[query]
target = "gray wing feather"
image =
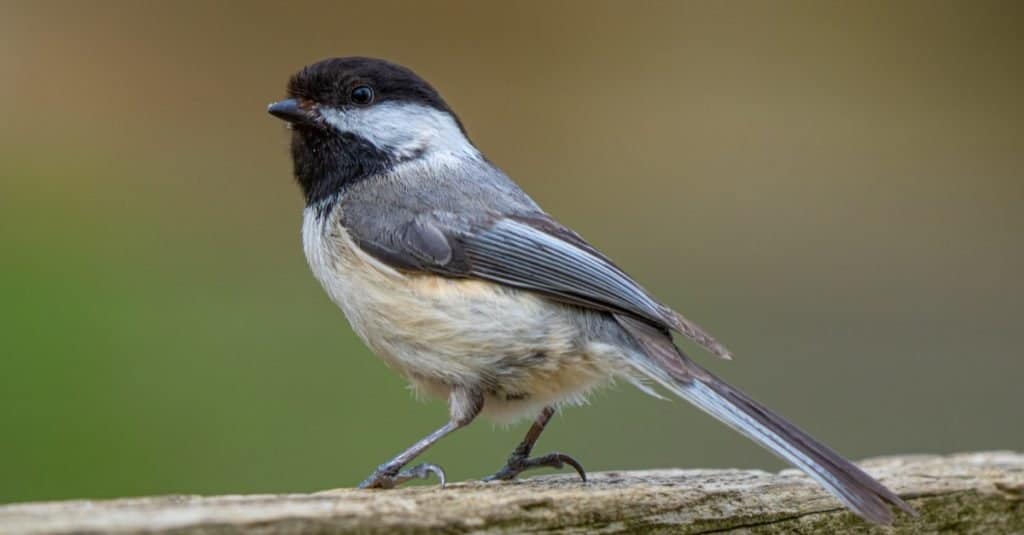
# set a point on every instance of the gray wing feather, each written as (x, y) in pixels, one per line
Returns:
(533, 253)
(523, 256)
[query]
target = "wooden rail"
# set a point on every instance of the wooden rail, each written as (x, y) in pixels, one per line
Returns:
(963, 493)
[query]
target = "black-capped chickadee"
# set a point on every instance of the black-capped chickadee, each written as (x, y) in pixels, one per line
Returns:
(458, 280)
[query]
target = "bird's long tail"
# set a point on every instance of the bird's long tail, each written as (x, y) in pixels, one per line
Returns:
(673, 370)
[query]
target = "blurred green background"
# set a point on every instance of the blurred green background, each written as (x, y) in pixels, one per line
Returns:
(835, 189)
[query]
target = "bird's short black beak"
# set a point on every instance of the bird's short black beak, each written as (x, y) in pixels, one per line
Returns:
(290, 110)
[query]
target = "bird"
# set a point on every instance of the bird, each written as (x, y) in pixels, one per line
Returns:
(449, 272)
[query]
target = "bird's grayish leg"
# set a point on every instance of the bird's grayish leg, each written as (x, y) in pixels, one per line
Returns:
(463, 406)
(520, 460)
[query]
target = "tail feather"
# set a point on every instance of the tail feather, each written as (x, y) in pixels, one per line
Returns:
(673, 370)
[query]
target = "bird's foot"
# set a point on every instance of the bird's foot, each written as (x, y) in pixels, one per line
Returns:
(387, 477)
(519, 463)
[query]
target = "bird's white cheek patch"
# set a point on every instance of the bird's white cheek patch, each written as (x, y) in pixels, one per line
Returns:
(405, 130)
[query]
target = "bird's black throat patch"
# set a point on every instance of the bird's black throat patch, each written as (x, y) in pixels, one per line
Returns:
(327, 162)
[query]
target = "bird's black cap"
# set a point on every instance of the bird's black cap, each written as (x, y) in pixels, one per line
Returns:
(330, 82)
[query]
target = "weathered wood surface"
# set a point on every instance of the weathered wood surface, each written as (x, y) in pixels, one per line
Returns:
(964, 493)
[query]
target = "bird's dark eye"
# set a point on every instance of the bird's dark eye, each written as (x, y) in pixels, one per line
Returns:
(362, 95)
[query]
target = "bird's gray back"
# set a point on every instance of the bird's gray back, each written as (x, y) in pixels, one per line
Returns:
(469, 190)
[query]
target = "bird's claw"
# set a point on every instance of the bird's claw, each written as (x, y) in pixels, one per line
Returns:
(518, 464)
(388, 477)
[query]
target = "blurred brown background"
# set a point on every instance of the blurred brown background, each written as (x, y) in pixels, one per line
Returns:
(833, 188)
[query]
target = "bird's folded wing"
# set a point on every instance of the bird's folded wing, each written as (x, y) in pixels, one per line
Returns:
(532, 253)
